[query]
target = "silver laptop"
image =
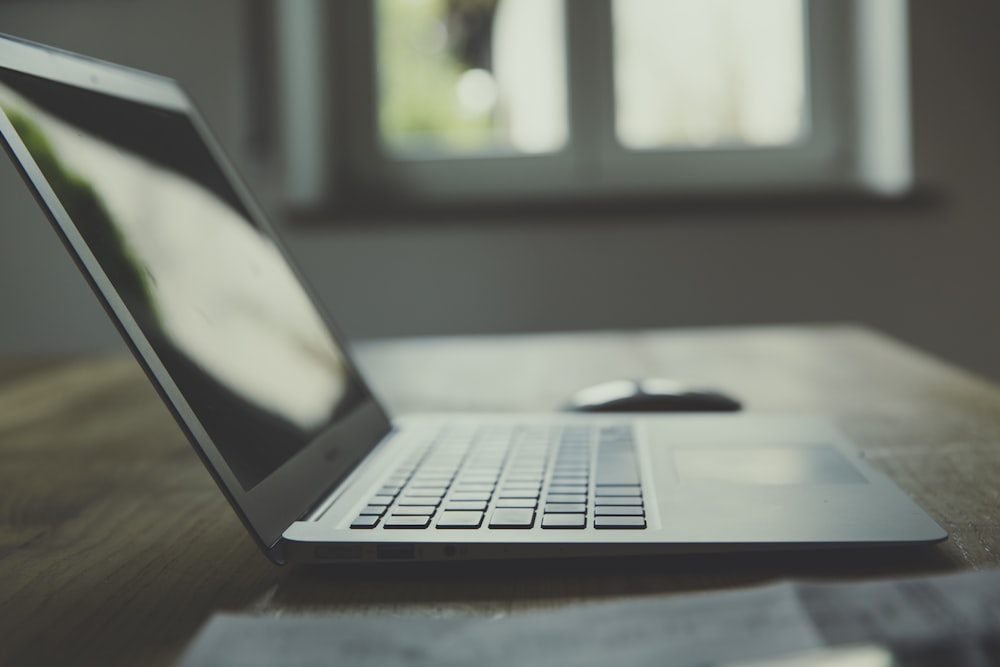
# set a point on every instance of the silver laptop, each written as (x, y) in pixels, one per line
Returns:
(205, 296)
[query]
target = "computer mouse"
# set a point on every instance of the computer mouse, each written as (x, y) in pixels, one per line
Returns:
(650, 395)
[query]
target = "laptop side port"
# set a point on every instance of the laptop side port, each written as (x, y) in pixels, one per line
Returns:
(395, 552)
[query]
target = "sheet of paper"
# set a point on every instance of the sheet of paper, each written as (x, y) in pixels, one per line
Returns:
(956, 617)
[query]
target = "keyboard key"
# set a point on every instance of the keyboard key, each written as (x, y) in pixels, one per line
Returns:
(510, 485)
(471, 495)
(459, 519)
(365, 521)
(411, 510)
(437, 469)
(565, 508)
(616, 473)
(531, 478)
(478, 478)
(425, 501)
(473, 486)
(374, 510)
(619, 510)
(566, 498)
(619, 522)
(427, 492)
(568, 488)
(616, 461)
(396, 521)
(564, 521)
(381, 499)
(423, 479)
(604, 501)
(426, 484)
(466, 506)
(563, 471)
(518, 493)
(517, 502)
(631, 490)
(510, 517)
(569, 479)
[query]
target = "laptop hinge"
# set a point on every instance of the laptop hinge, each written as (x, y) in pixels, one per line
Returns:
(276, 553)
(338, 488)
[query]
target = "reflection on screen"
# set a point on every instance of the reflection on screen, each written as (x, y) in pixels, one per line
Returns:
(210, 291)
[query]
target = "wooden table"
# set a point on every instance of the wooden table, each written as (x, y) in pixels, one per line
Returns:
(115, 545)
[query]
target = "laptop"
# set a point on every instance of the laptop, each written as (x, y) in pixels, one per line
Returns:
(267, 393)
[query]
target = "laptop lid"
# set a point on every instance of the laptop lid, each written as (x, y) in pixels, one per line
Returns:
(194, 278)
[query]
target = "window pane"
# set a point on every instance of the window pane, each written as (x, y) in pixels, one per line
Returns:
(704, 73)
(460, 77)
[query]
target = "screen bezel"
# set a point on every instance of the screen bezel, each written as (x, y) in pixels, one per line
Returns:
(288, 492)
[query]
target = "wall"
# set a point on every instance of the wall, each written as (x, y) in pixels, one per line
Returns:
(44, 305)
(924, 271)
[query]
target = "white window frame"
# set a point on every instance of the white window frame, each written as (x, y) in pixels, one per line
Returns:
(858, 138)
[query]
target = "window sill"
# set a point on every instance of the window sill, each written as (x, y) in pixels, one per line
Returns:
(389, 213)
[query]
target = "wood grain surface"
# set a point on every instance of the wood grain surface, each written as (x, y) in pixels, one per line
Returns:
(115, 545)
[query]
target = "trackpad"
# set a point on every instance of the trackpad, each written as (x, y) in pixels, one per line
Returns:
(768, 465)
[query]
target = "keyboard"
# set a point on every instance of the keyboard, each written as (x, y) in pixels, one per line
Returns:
(513, 478)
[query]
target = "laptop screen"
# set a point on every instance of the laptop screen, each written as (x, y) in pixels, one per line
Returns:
(207, 286)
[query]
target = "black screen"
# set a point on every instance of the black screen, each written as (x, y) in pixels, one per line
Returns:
(207, 286)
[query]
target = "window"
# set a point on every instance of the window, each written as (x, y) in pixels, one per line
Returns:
(748, 87)
(444, 101)
(476, 78)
